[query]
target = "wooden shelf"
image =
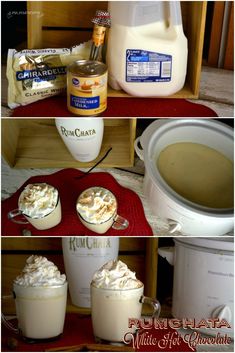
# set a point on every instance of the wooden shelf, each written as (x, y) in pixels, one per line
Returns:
(36, 143)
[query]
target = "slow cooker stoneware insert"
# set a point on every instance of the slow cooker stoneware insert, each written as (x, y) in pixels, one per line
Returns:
(181, 214)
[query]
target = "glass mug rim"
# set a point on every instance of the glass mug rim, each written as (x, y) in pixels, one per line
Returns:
(114, 214)
(119, 289)
(41, 287)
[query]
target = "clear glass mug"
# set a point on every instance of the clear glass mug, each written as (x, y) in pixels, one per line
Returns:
(40, 311)
(111, 310)
(115, 221)
(48, 221)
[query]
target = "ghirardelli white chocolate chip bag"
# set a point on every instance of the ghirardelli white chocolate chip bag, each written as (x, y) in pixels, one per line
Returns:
(35, 74)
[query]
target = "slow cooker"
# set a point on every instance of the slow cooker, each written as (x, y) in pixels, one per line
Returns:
(203, 284)
(181, 214)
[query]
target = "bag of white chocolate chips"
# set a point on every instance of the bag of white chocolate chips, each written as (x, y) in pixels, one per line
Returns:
(35, 74)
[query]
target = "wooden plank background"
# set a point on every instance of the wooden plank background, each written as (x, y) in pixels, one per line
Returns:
(216, 31)
(28, 143)
(229, 53)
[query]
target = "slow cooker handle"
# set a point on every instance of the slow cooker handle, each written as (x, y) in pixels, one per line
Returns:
(173, 225)
(139, 151)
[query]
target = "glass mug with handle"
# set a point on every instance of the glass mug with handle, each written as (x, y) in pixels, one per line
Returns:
(40, 311)
(38, 204)
(112, 309)
(40, 295)
(97, 210)
(117, 296)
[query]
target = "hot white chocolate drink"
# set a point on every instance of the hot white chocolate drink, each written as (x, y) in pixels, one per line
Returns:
(38, 200)
(115, 297)
(40, 204)
(97, 209)
(40, 296)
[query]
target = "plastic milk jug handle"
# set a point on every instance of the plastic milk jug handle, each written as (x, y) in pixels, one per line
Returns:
(175, 13)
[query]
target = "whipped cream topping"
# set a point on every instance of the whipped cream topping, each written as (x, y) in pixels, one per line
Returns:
(38, 200)
(38, 272)
(115, 275)
(96, 205)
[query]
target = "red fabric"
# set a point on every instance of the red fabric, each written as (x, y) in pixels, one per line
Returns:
(78, 330)
(120, 107)
(129, 205)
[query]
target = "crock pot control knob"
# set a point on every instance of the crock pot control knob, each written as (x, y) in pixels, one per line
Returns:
(222, 312)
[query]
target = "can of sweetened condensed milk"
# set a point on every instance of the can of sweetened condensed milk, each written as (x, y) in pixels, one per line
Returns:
(87, 87)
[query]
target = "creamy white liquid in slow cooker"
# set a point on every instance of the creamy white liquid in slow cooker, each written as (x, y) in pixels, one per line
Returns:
(198, 173)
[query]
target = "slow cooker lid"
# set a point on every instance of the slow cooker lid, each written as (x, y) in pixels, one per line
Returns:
(219, 243)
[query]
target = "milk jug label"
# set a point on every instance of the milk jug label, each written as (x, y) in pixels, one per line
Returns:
(147, 66)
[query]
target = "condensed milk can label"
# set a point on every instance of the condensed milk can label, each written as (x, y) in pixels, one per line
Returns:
(87, 88)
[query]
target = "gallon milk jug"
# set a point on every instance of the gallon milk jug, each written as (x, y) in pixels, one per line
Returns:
(147, 49)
